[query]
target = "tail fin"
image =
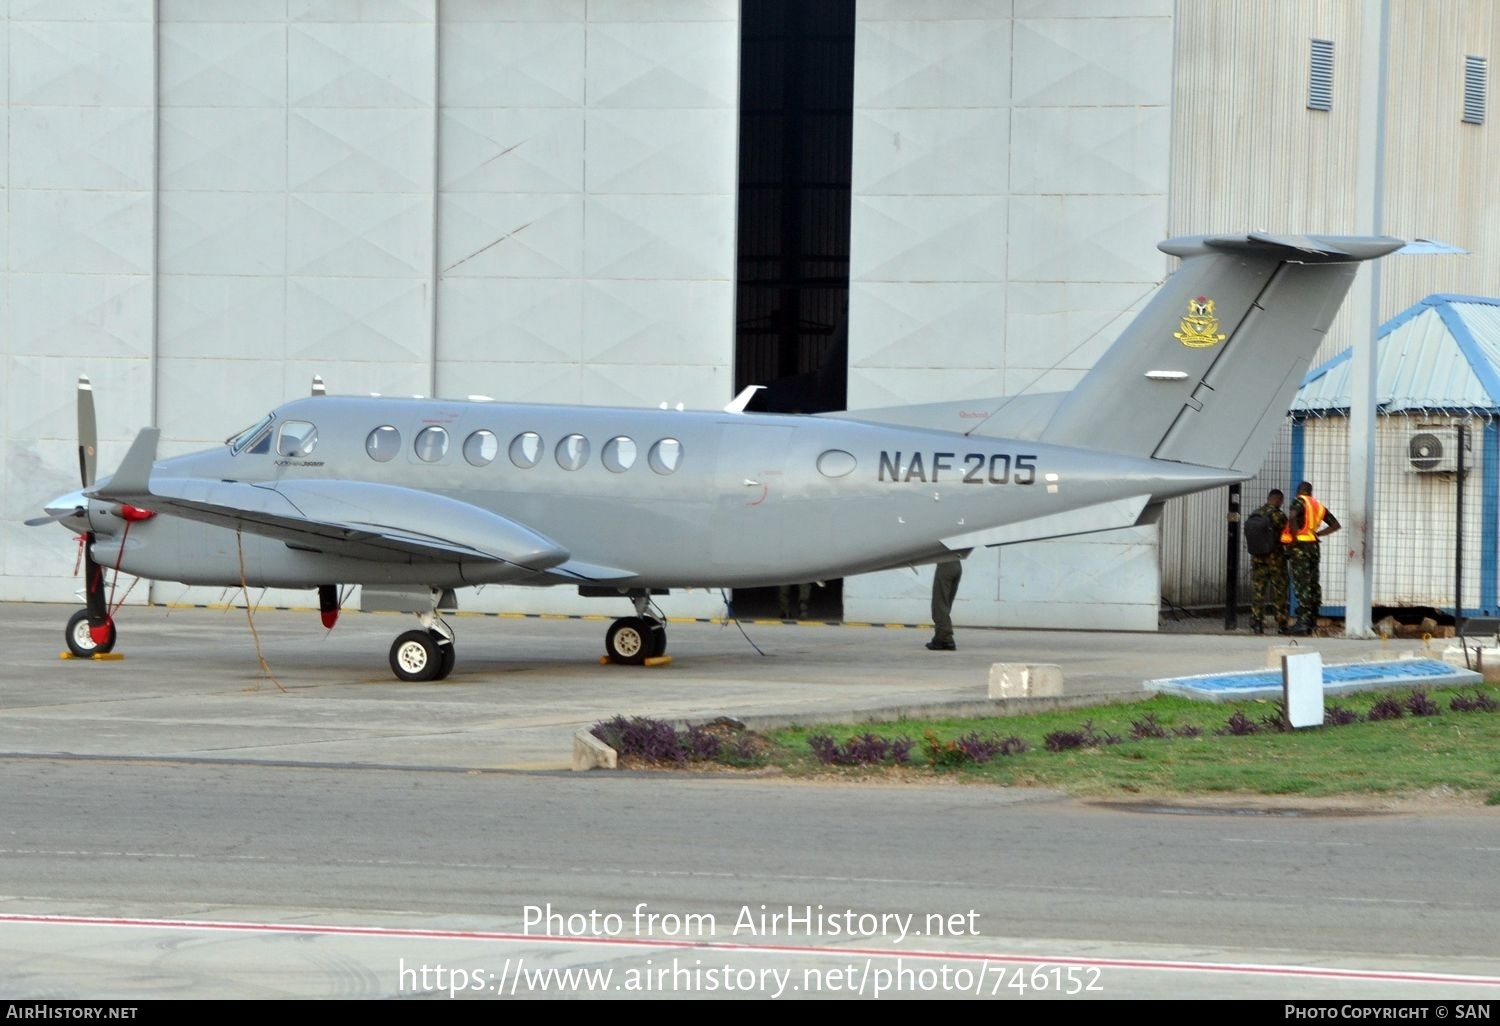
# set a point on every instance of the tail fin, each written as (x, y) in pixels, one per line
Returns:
(1206, 372)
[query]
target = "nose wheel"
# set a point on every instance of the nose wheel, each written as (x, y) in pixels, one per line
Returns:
(80, 636)
(422, 655)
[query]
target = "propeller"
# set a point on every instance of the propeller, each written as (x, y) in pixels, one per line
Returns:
(74, 507)
(76, 504)
(100, 625)
(88, 433)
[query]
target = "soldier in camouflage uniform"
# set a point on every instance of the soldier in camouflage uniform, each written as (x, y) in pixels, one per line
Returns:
(1307, 522)
(1268, 580)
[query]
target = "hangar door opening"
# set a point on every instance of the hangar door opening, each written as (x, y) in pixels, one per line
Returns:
(792, 288)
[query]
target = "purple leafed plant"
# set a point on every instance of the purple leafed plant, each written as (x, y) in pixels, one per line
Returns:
(1084, 737)
(1238, 724)
(1148, 727)
(1477, 702)
(1418, 704)
(1013, 746)
(701, 744)
(1187, 730)
(657, 741)
(971, 748)
(1276, 719)
(1386, 707)
(861, 750)
(976, 748)
(1338, 716)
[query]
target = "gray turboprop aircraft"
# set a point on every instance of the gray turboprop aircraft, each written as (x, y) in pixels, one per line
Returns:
(414, 498)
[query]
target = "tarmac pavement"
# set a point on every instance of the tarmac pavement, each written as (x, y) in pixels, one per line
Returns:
(199, 684)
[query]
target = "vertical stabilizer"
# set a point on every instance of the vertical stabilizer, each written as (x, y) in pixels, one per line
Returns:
(1206, 372)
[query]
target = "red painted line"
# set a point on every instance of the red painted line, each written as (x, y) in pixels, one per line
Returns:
(1318, 972)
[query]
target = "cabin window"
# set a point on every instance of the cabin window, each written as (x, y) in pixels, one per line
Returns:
(572, 452)
(526, 449)
(665, 456)
(480, 448)
(431, 444)
(297, 438)
(383, 443)
(619, 454)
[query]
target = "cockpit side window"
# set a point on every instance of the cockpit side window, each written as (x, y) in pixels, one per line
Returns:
(256, 438)
(296, 438)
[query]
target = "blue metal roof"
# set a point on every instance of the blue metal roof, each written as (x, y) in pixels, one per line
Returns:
(1443, 353)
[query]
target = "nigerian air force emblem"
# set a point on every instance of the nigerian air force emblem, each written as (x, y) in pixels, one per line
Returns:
(1200, 328)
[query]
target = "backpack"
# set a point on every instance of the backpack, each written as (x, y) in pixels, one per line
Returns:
(1260, 539)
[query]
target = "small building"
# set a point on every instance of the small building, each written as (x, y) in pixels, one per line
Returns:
(1438, 393)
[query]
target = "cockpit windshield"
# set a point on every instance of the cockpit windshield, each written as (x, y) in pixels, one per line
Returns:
(238, 443)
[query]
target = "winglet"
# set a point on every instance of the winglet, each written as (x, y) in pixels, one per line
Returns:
(133, 479)
(739, 402)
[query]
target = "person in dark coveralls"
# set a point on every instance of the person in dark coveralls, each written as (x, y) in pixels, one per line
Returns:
(945, 577)
(1268, 579)
(1307, 522)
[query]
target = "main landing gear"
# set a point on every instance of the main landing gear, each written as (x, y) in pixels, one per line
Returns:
(424, 654)
(631, 640)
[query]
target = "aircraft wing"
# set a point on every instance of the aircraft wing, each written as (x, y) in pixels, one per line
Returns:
(360, 519)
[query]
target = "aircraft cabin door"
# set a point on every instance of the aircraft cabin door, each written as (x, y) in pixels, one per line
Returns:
(751, 480)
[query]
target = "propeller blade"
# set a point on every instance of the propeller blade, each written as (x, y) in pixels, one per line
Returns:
(88, 432)
(54, 517)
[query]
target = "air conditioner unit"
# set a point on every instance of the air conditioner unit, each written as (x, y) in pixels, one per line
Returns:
(1434, 450)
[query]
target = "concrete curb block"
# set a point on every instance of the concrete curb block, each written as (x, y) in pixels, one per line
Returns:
(1025, 680)
(591, 753)
(942, 710)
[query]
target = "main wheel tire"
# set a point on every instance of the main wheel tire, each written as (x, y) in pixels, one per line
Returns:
(415, 656)
(81, 640)
(447, 656)
(657, 632)
(628, 641)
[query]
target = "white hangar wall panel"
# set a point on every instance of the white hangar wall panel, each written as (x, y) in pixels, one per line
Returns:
(587, 156)
(77, 232)
(296, 192)
(1009, 190)
(522, 199)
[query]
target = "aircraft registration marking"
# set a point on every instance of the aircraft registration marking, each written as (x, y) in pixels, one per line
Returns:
(977, 467)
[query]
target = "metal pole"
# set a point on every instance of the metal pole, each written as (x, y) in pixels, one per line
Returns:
(1458, 538)
(1232, 562)
(1364, 311)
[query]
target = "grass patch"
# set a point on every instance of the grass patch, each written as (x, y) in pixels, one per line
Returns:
(1400, 742)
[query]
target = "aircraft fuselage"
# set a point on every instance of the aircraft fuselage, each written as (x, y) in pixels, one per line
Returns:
(658, 498)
